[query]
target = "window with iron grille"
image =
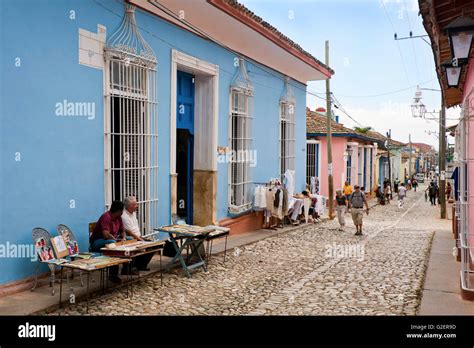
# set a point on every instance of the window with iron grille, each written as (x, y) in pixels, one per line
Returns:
(287, 137)
(240, 155)
(349, 169)
(371, 168)
(466, 198)
(131, 139)
(312, 164)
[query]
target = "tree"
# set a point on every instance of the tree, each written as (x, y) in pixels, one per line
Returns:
(362, 129)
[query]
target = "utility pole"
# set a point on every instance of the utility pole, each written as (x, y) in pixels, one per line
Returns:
(442, 159)
(409, 158)
(389, 135)
(329, 141)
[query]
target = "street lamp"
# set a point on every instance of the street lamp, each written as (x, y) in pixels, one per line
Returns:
(460, 32)
(349, 151)
(452, 73)
(418, 109)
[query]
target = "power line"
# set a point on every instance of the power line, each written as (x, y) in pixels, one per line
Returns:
(338, 105)
(386, 93)
(398, 45)
(412, 44)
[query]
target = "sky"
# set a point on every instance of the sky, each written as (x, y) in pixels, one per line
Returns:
(375, 76)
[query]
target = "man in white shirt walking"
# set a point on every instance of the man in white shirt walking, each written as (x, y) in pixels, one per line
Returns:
(402, 193)
(131, 226)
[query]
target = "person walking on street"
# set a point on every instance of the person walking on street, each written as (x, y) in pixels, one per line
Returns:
(347, 190)
(342, 206)
(388, 194)
(356, 204)
(380, 195)
(402, 193)
(448, 191)
(414, 184)
(432, 193)
(395, 185)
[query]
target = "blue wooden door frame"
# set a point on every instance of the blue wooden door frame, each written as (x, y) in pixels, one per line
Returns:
(185, 120)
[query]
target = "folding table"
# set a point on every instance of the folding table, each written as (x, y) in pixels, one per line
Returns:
(194, 237)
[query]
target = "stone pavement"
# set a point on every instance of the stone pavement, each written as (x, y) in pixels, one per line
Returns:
(312, 270)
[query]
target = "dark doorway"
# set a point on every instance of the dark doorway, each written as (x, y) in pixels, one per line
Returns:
(185, 145)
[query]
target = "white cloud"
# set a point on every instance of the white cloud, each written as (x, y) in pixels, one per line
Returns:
(397, 5)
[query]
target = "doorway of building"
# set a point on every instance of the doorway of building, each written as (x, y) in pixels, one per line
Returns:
(185, 145)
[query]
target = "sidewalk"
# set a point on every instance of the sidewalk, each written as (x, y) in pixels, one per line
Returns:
(441, 291)
(28, 302)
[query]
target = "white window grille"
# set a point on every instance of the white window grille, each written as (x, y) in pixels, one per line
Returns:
(466, 195)
(240, 160)
(367, 168)
(287, 129)
(312, 161)
(349, 169)
(131, 123)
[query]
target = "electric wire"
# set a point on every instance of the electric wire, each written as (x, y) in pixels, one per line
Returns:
(398, 44)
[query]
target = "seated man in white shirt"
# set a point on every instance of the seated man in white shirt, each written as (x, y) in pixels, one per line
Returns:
(130, 225)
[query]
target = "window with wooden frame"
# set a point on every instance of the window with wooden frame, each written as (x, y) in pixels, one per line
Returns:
(287, 136)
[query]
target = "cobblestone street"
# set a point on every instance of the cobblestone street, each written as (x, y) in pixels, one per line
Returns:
(313, 270)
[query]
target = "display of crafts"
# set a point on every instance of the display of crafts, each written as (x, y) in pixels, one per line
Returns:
(188, 229)
(72, 247)
(44, 252)
(129, 246)
(94, 262)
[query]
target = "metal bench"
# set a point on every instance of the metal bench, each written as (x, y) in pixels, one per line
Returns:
(219, 232)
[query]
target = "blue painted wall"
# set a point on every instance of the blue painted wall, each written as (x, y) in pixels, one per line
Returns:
(60, 175)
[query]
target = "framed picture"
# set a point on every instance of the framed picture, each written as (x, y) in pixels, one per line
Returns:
(72, 247)
(59, 247)
(44, 252)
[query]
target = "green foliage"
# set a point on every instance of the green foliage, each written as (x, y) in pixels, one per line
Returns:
(362, 129)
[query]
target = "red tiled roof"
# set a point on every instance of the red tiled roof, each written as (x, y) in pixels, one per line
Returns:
(316, 123)
(425, 148)
(242, 13)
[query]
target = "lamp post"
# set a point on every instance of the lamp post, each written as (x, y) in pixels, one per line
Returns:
(349, 151)
(419, 110)
(460, 33)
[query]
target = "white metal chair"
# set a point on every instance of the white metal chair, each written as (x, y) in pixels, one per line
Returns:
(38, 233)
(306, 205)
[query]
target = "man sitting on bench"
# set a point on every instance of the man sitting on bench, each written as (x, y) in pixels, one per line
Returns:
(130, 224)
(109, 229)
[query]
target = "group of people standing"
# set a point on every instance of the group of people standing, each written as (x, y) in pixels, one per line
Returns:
(351, 200)
(385, 196)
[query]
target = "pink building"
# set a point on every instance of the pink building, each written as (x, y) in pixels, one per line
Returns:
(353, 155)
(451, 30)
